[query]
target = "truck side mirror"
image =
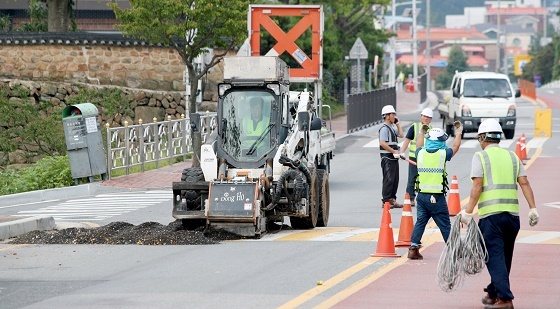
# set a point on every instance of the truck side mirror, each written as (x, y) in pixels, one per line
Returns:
(316, 124)
(303, 121)
(455, 93)
(517, 93)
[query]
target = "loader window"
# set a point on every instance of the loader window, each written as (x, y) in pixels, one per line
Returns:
(247, 116)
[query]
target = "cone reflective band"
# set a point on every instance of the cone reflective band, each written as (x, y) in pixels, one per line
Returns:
(407, 224)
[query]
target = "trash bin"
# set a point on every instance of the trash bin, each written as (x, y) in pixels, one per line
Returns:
(84, 142)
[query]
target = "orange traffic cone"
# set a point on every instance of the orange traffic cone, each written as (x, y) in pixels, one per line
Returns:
(385, 240)
(405, 230)
(523, 147)
(518, 149)
(454, 201)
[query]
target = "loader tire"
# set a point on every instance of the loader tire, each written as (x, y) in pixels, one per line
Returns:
(323, 198)
(193, 198)
(310, 221)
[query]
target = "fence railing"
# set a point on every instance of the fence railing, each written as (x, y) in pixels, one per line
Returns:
(364, 109)
(152, 143)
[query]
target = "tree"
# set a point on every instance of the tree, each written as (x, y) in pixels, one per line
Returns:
(457, 61)
(189, 27)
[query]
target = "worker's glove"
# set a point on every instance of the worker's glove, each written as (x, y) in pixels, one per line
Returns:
(465, 217)
(458, 127)
(533, 217)
(396, 155)
(425, 128)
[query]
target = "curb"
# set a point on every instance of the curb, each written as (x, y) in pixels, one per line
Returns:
(21, 226)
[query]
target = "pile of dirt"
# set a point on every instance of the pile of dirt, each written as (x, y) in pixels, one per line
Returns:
(122, 233)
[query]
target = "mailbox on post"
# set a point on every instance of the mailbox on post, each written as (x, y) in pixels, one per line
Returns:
(84, 142)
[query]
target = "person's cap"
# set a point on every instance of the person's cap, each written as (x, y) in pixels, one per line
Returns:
(437, 134)
(427, 112)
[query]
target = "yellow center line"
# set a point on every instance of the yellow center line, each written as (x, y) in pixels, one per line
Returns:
(329, 283)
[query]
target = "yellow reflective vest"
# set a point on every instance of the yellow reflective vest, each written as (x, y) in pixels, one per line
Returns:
(431, 171)
(412, 146)
(499, 188)
(252, 132)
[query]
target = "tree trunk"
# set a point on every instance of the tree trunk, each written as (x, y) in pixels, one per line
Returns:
(59, 15)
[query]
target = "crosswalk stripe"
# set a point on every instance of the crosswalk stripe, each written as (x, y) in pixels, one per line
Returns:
(100, 207)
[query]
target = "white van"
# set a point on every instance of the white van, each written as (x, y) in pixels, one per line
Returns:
(477, 96)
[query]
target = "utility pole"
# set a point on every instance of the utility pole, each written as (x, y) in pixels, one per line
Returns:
(428, 46)
(414, 47)
(498, 36)
(392, 52)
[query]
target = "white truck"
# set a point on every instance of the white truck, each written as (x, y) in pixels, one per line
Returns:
(248, 183)
(476, 96)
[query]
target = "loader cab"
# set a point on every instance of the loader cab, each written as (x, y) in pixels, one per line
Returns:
(252, 122)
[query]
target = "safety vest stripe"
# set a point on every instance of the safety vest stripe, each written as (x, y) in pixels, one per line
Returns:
(494, 187)
(498, 201)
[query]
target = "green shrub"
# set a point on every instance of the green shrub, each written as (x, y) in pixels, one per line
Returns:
(48, 173)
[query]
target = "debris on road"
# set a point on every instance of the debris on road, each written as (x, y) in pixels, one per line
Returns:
(123, 233)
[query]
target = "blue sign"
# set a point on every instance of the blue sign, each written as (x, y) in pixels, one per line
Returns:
(440, 63)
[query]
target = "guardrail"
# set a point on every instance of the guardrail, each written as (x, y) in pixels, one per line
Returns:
(143, 143)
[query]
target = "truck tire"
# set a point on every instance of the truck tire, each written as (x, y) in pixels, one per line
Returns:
(324, 197)
(310, 221)
(193, 198)
(509, 133)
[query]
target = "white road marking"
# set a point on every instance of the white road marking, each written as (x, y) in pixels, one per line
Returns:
(101, 207)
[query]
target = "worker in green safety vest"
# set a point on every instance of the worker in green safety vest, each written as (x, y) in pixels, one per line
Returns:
(410, 139)
(495, 174)
(431, 183)
(255, 124)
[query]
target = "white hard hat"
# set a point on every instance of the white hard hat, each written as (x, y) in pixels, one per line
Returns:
(437, 134)
(427, 112)
(490, 126)
(387, 109)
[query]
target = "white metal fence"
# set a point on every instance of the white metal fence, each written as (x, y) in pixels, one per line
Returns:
(143, 143)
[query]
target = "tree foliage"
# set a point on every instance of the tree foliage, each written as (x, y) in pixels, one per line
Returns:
(457, 61)
(190, 27)
(544, 63)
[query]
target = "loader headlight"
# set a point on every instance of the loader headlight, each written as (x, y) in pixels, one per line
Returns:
(222, 88)
(274, 87)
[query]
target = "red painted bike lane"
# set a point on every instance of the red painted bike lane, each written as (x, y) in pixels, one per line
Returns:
(535, 274)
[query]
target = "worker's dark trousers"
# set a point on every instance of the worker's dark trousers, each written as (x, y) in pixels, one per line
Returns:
(412, 174)
(499, 232)
(390, 170)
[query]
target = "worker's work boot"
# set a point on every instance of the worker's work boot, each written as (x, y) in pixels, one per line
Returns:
(394, 204)
(414, 253)
(500, 304)
(487, 299)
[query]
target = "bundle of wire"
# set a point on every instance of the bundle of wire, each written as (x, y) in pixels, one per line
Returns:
(461, 256)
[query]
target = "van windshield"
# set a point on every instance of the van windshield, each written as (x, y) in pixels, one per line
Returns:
(487, 88)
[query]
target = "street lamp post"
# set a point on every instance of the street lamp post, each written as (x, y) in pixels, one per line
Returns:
(414, 47)
(428, 47)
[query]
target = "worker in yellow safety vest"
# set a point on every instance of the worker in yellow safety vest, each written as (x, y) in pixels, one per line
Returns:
(495, 174)
(431, 183)
(410, 139)
(256, 124)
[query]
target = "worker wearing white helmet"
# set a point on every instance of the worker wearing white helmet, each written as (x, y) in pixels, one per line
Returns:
(389, 133)
(410, 139)
(431, 183)
(495, 174)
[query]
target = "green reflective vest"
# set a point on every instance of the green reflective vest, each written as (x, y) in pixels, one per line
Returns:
(252, 132)
(431, 171)
(499, 188)
(412, 146)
